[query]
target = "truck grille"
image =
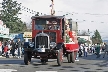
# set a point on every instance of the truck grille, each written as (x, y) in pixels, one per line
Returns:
(41, 40)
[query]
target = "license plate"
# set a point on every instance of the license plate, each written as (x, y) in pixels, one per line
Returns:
(41, 49)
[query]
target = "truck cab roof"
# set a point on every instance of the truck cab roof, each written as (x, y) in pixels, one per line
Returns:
(48, 16)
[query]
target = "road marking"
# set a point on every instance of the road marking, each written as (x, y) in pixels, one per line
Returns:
(46, 71)
(7, 70)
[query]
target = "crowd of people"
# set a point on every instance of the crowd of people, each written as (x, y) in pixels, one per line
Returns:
(11, 48)
(15, 49)
(84, 49)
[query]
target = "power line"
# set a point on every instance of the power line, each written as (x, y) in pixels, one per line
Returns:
(33, 12)
(95, 14)
(28, 10)
(83, 20)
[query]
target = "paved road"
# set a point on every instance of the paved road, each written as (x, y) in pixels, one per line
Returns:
(86, 64)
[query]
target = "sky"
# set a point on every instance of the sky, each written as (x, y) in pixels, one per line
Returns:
(90, 14)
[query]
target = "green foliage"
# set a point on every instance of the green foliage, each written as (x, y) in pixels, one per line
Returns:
(96, 38)
(82, 40)
(10, 14)
(67, 38)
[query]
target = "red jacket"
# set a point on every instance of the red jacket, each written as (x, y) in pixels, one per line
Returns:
(5, 49)
(71, 36)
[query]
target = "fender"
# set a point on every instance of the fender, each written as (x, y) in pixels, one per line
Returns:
(59, 46)
(26, 45)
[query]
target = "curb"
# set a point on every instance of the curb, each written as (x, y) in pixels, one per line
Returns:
(5, 57)
(2, 57)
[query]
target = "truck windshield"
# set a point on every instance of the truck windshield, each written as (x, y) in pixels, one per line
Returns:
(47, 24)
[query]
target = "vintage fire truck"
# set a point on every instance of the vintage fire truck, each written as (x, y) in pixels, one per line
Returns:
(51, 39)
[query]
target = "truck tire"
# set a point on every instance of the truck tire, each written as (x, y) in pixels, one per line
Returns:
(68, 58)
(27, 58)
(72, 57)
(60, 57)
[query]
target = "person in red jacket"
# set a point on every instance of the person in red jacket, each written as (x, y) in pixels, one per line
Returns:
(5, 50)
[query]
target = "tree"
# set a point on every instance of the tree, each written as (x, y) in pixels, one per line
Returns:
(82, 40)
(96, 38)
(9, 15)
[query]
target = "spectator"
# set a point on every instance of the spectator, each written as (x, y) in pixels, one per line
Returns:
(93, 49)
(98, 50)
(19, 45)
(85, 50)
(9, 48)
(5, 50)
(106, 49)
(81, 50)
(0, 48)
(13, 48)
(22, 48)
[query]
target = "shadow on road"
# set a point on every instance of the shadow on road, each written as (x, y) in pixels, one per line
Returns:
(14, 61)
(11, 61)
(35, 62)
(100, 62)
(94, 57)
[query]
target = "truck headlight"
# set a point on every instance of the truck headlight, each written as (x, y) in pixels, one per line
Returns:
(52, 44)
(31, 44)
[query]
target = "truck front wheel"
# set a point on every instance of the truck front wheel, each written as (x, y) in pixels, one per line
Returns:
(60, 57)
(27, 58)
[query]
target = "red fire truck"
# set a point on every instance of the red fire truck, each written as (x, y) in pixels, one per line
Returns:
(49, 40)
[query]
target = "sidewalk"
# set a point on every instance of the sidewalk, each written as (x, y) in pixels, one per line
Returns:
(2, 57)
(5, 57)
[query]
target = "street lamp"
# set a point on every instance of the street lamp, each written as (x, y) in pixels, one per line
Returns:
(88, 37)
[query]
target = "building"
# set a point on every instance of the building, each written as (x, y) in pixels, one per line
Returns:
(73, 25)
(4, 31)
(27, 36)
(16, 36)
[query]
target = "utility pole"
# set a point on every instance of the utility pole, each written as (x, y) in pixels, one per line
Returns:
(0, 10)
(52, 7)
(88, 37)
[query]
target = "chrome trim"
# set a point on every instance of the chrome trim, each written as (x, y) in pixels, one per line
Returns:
(43, 34)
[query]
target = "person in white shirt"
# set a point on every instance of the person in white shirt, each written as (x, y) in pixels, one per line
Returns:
(85, 51)
(0, 48)
(92, 49)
